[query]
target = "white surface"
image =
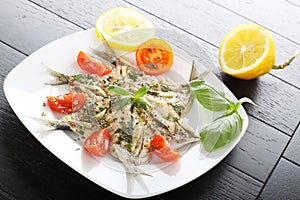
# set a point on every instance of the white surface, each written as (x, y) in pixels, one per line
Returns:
(26, 95)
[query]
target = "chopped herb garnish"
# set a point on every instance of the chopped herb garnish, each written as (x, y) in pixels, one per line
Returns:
(125, 137)
(151, 65)
(77, 139)
(77, 149)
(133, 76)
(89, 76)
(128, 146)
(86, 125)
(77, 77)
(153, 147)
(103, 123)
(177, 108)
(43, 114)
(81, 132)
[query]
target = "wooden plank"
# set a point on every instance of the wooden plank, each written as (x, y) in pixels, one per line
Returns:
(262, 90)
(29, 171)
(85, 13)
(292, 151)
(280, 22)
(213, 22)
(9, 59)
(33, 27)
(275, 99)
(284, 182)
(258, 151)
(278, 19)
(222, 182)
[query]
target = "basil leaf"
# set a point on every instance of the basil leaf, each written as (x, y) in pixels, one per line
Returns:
(118, 90)
(221, 131)
(196, 83)
(123, 101)
(209, 97)
(244, 100)
(141, 92)
(140, 102)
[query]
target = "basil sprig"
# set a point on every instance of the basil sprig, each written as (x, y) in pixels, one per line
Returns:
(141, 92)
(225, 128)
(136, 99)
(221, 131)
(118, 90)
(123, 101)
(209, 97)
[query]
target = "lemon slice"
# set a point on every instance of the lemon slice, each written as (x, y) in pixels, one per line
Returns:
(247, 51)
(124, 28)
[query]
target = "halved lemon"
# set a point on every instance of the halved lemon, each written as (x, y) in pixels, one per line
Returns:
(124, 28)
(247, 51)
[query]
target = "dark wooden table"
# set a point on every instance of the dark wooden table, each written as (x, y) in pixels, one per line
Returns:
(264, 165)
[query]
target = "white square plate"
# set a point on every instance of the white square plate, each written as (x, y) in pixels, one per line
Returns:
(25, 91)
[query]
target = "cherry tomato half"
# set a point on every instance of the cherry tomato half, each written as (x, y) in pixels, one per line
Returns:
(154, 57)
(98, 143)
(92, 66)
(66, 103)
(162, 148)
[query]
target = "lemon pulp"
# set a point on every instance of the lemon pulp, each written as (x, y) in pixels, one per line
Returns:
(247, 51)
(124, 28)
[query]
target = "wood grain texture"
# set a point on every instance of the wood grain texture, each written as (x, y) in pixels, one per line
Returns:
(293, 150)
(10, 58)
(32, 28)
(284, 182)
(278, 19)
(220, 178)
(275, 100)
(282, 21)
(262, 87)
(185, 42)
(85, 13)
(220, 22)
(258, 151)
(29, 171)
